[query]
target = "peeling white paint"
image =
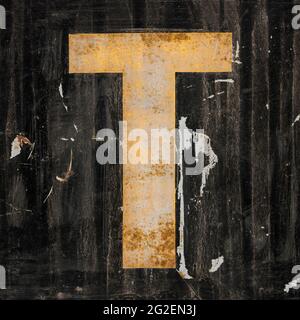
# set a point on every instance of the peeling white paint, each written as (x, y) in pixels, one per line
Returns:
(75, 127)
(202, 145)
(212, 159)
(236, 58)
(183, 142)
(216, 264)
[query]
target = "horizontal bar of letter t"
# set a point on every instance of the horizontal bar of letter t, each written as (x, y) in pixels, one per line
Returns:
(148, 63)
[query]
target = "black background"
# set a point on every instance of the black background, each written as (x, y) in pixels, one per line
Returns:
(69, 247)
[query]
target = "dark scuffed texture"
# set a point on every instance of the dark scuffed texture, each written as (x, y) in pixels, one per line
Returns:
(69, 246)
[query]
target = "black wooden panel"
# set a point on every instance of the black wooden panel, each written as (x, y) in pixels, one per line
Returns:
(63, 240)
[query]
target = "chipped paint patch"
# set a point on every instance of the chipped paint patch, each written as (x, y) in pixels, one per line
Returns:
(216, 264)
(17, 144)
(236, 58)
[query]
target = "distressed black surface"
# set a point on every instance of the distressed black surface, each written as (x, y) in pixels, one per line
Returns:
(73, 240)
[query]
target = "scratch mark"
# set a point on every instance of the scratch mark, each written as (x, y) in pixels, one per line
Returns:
(15, 209)
(31, 152)
(69, 173)
(49, 194)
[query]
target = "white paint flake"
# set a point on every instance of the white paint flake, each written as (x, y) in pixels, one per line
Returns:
(15, 148)
(75, 127)
(212, 159)
(67, 109)
(60, 89)
(216, 264)
(295, 283)
(237, 50)
(236, 58)
(212, 96)
(224, 80)
(296, 119)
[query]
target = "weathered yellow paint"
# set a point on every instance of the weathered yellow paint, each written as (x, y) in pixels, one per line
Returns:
(148, 62)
